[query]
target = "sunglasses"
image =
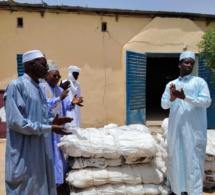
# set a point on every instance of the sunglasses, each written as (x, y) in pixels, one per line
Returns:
(42, 64)
(56, 76)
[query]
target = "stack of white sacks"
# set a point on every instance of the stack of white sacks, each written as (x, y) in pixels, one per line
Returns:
(114, 160)
(209, 167)
(209, 179)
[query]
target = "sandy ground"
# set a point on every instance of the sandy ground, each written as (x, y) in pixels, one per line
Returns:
(154, 129)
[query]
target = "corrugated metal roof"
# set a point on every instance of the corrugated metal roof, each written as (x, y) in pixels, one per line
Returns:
(30, 1)
(119, 6)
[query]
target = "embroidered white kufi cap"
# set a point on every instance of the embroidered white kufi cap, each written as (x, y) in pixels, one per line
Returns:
(31, 55)
(52, 65)
(187, 54)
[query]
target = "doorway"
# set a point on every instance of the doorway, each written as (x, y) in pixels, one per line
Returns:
(159, 71)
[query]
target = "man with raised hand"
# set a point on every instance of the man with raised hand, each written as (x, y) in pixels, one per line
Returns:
(29, 160)
(187, 97)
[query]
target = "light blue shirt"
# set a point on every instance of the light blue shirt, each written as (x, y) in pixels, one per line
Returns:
(187, 134)
(29, 159)
(53, 102)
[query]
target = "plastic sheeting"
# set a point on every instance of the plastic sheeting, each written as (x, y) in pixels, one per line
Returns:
(127, 174)
(132, 141)
(209, 167)
(123, 189)
(102, 175)
(210, 149)
(81, 162)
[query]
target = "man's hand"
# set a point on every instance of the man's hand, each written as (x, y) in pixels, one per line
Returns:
(65, 85)
(79, 104)
(59, 120)
(60, 130)
(179, 93)
(77, 100)
(64, 94)
(171, 89)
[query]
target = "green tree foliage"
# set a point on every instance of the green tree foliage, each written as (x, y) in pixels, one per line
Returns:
(207, 50)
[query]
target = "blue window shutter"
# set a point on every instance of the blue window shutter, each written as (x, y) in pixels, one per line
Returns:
(20, 68)
(205, 73)
(135, 88)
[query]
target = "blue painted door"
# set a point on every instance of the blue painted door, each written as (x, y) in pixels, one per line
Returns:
(135, 88)
(20, 69)
(206, 74)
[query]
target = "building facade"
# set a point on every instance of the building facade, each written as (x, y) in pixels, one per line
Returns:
(126, 57)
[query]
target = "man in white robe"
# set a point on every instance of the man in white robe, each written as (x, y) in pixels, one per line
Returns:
(187, 98)
(29, 160)
(75, 91)
(58, 101)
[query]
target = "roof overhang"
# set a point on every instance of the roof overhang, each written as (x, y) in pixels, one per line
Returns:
(166, 35)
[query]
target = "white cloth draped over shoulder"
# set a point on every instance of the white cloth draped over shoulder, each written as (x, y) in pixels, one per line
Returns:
(187, 134)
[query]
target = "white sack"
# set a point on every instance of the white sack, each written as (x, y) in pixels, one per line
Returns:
(209, 157)
(209, 180)
(109, 142)
(161, 141)
(123, 189)
(138, 127)
(210, 148)
(110, 125)
(160, 160)
(2, 114)
(209, 166)
(208, 186)
(164, 127)
(209, 176)
(127, 174)
(82, 162)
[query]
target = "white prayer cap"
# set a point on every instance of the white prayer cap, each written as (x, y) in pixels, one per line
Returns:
(187, 54)
(31, 55)
(52, 65)
(73, 68)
